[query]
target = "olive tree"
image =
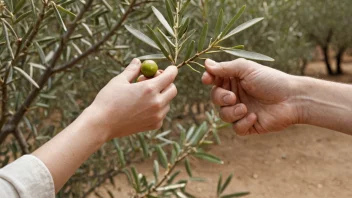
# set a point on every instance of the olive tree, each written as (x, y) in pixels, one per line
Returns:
(327, 24)
(56, 55)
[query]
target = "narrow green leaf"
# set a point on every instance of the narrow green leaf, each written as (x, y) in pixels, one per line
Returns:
(182, 138)
(199, 133)
(166, 38)
(219, 24)
(8, 42)
(88, 30)
(65, 11)
(137, 184)
(203, 37)
(153, 57)
(162, 156)
(177, 148)
(216, 136)
(190, 132)
(172, 156)
(171, 187)
(188, 167)
(158, 42)
(233, 21)
(242, 194)
(11, 29)
(173, 176)
(19, 5)
(249, 55)
(143, 145)
(33, 9)
(26, 76)
(163, 21)
(156, 170)
(208, 157)
(58, 16)
(142, 37)
(37, 66)
(226, 183)
(41, 52)
(189, 66)
(169, 12)
(238, 47)
(190, 50)
(107, 5)
(219, 185)
(184, 27)
(22, 16)
(185, 6)
(120, 153)
(242, 27)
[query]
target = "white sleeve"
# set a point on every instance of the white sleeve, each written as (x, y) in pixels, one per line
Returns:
(27, 177)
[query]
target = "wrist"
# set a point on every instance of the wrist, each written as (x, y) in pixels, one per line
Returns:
(300, 89)
(95, 125)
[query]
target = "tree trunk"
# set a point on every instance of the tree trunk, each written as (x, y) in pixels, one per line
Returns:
(304, 66)
(327, 59)
(339, 59)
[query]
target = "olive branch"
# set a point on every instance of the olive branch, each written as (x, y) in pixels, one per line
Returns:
(173, 43)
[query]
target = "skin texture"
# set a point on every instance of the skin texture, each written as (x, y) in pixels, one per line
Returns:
(258, 99)
(146, 104)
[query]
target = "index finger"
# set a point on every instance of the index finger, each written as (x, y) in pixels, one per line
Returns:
(166, 78)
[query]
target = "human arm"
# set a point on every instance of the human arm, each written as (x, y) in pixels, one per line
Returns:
(121, 108)
(261, 99)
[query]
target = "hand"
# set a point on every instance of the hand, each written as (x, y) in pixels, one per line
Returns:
(255, 98)
(125, 108)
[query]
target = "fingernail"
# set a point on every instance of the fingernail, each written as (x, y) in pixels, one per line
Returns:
(239, 111)
(135, 61)
(211, 63)
(228, 99)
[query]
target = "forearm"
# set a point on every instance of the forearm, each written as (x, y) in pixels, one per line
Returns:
(70, 148)
(325, 104)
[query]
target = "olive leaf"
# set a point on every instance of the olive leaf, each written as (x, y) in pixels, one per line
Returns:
(163, 21)
(26, 76)
(153, 57)
(208, 157)
(142, 37)
(249, 55)
(58, 16)
(242, 27)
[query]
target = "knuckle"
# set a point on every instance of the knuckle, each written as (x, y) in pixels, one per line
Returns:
(157, 104)
(149, 88)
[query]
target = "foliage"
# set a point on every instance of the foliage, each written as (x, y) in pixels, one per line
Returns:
(56, 55)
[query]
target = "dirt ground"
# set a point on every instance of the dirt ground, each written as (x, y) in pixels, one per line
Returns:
(302, 161)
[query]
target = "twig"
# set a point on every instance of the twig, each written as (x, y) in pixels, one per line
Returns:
(4, 99)
(186, 152)
(22, 142)
(95, 47)
(33, 34)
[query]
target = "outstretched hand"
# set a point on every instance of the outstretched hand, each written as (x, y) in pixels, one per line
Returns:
(255, 98)
(126, 108)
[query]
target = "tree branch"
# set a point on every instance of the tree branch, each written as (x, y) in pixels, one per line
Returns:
(10, 126)
(33, 34)
(96, 47)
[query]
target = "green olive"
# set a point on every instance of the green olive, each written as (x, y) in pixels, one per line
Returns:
(149, 68)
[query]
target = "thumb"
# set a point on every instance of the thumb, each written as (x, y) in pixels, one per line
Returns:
(132, 71)
(238, 68)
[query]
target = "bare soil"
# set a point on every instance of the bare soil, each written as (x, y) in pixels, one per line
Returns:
(302, 161)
